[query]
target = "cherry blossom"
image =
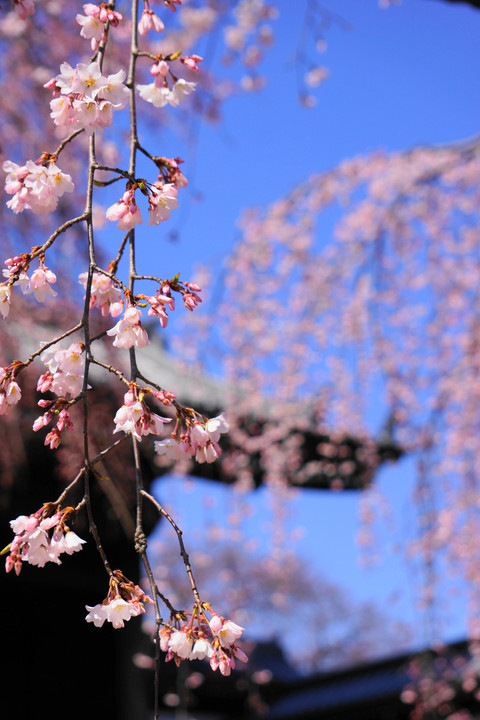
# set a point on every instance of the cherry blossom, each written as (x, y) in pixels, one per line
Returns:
(199, 639)
(128, 332)
(10, 392)
(40, 283)
(162, 199)
(180, 90)
(94, 20)
(158, 303)
(181, 644)
(104, 294)
(200, 440)
(125, 211)
(202, 649)
(124, 601)
(116, 612)
(5, 296)
(226, 630)
(36, 187)
(87, 98)
(35, 542)
(66, 370)
(173, 449)
(159, 94)
(155, 93)
(134, 417)
(83, 99)
(190, 62)
(92, 28)
(150, 21)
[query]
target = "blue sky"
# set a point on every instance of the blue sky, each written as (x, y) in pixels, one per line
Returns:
(400, 77)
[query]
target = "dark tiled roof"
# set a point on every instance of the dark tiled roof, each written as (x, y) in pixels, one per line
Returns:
(343, 689)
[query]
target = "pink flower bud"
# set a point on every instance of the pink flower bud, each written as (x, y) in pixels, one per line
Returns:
(216, 623)
(91, 10)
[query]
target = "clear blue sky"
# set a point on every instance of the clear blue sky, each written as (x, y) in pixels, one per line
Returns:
(401, 76)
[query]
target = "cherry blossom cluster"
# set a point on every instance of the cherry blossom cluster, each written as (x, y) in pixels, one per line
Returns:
(36, 186)
(129, 332)
(10, 392)
(199, 440)
(170, 171)
(65, 370)
(134, 416)
(124, 601)
(58, 410)
(162, 198)
(64, 377)
(39, 282)
(41, 538)
(198, 639)
(104, 293)
(84, 99)
(149, 21)
(159, 93)
(164, 299)
(94, 22)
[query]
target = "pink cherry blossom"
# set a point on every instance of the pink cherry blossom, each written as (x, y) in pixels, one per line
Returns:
(181, 644)
(128, 332)
(103, 294)
(92, 29)
(40, 283)
(35, 186)
(158, 95)
(36, 544)
(180, 90)
(124, 601)
(134, 417)
(162, 199)
(150, 21)
(125, 211)
(5, 295)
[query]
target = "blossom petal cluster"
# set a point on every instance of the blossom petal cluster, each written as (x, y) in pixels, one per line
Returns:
(159, 303)
(215, 642)
(200, 441)
(164, 299)
(62, 421)
(170, 171)
(162, 198)
(40, 539)
(94, 21)
(10, 392)
(85, 99)
(124, 601)
(128, 332)
(150, 21)
(36, 187)
(159, 93)
(39, 283)
(134, 417)
(65, 370)
(115, 612)
(103, 294)
(125, 212)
